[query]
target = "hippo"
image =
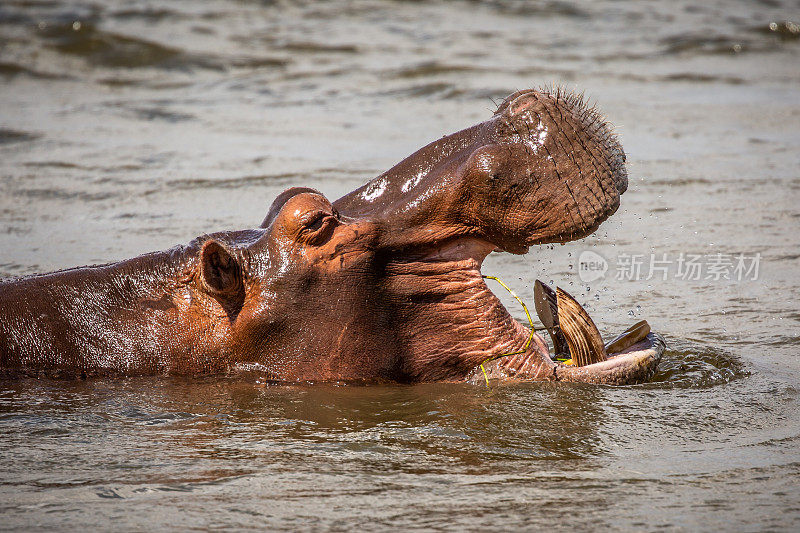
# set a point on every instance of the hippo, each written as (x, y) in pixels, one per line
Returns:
(382, 285)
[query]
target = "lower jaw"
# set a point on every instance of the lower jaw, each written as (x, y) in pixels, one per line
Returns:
(636, 364)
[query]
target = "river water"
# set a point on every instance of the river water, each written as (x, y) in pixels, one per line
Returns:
(127, 127)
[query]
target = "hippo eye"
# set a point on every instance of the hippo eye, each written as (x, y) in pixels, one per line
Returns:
(317, 226)
(317, 221)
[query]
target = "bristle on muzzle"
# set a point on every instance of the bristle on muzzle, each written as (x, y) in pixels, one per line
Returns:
(584, 340)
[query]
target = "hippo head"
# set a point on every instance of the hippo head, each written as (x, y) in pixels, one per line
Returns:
(385, 282)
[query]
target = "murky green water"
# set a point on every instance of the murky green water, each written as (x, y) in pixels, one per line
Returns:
(132, 126)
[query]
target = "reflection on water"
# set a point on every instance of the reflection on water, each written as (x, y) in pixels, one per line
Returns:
(128, 127)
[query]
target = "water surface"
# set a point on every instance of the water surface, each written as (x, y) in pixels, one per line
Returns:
(127, 127)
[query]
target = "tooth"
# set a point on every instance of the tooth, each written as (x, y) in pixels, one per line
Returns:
(583, 338)
(629, 337)
(546, 304)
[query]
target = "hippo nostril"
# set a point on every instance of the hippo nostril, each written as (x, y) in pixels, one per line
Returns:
(523, 101)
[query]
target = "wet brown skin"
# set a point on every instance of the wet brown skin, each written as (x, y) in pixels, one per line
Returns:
(382, 285)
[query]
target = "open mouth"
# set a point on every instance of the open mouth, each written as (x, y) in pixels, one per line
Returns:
(447, 282)
(578, 353)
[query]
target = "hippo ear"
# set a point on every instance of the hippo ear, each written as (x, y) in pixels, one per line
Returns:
(222, 276)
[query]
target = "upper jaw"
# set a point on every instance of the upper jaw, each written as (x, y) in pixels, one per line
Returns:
(545, 168)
